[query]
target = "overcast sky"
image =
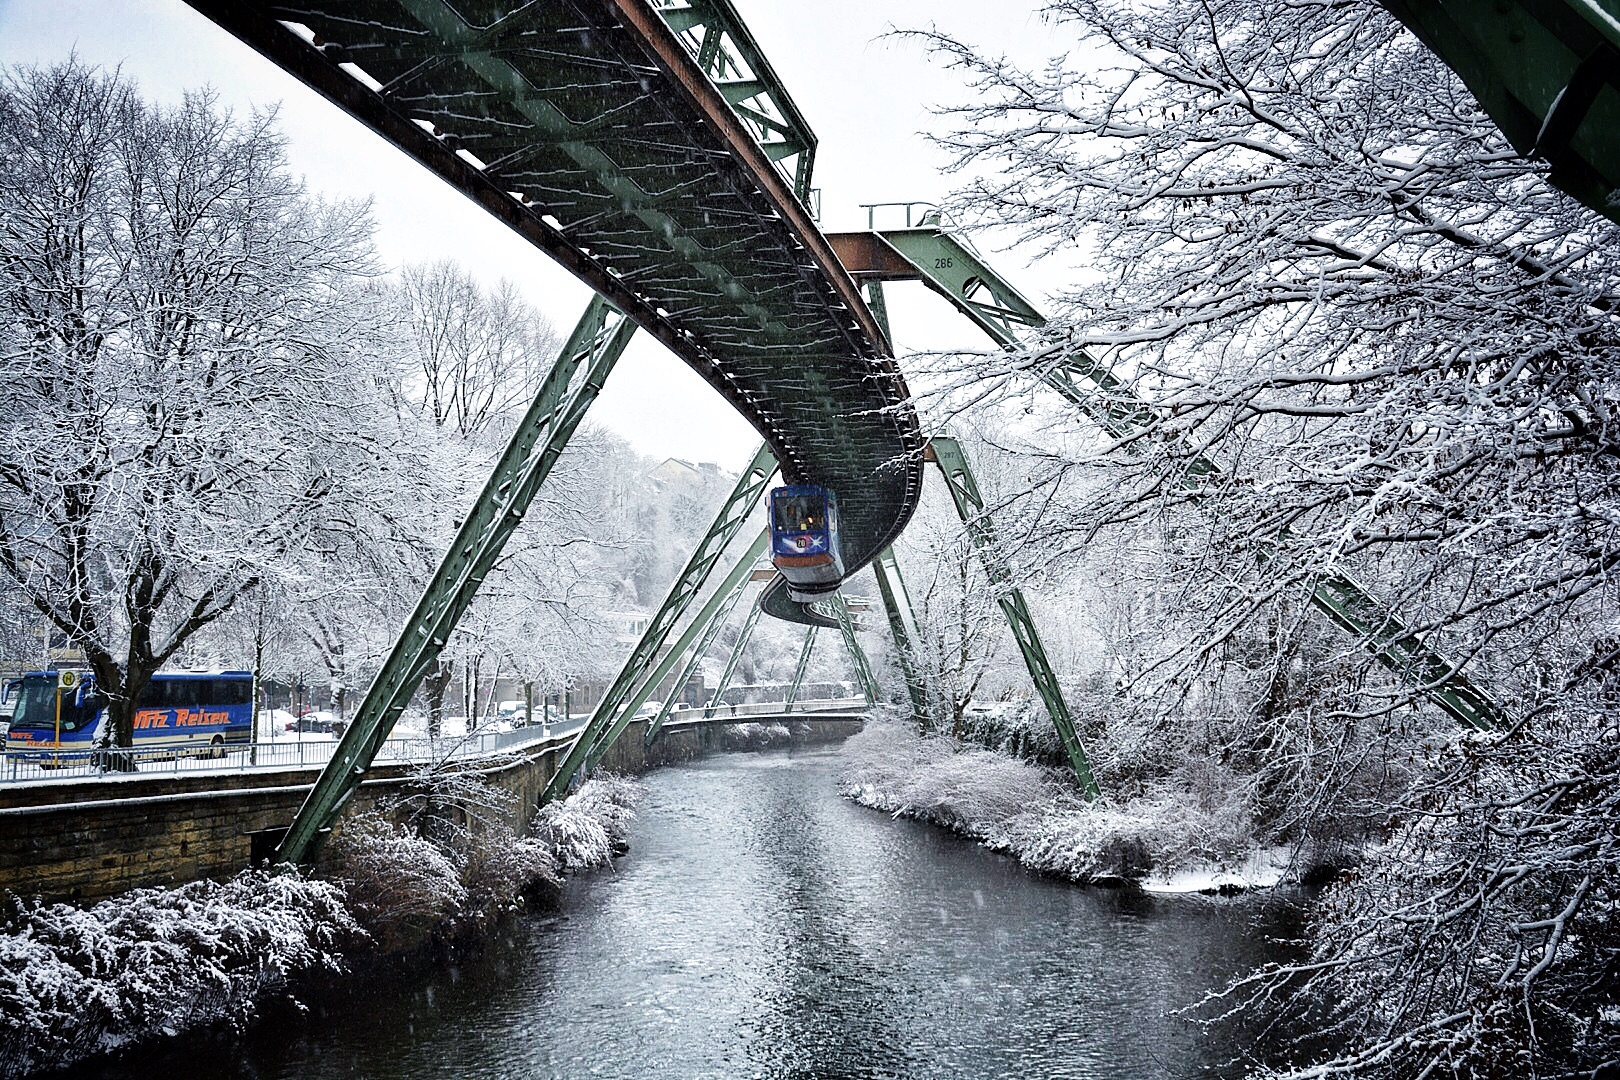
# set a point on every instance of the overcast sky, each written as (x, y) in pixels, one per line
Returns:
(867, 98)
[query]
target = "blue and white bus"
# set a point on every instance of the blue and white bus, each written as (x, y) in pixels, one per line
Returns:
(60, 716)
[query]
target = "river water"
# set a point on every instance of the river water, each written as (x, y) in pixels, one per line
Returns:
(761, 926)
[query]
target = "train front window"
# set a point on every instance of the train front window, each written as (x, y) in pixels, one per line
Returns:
(798, 513)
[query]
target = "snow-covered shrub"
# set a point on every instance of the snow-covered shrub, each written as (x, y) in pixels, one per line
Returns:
(402, 887)
(1034, 814)
(754, 736)
(588, 828)
(80, 981)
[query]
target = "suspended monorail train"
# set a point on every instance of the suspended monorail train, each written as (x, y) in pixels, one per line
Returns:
(804, 539)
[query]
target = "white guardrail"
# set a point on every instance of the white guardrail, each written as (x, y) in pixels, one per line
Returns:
(295, 752)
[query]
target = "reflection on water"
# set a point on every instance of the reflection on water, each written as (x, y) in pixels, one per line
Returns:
(763, 927)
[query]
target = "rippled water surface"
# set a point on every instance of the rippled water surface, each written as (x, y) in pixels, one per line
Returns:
(763, 927)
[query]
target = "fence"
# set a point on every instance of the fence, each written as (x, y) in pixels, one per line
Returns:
(35, 766)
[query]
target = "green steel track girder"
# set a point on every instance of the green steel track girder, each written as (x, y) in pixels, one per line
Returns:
(1548, 73)
(595, 345)
(695, 657)
(800, 668)
(590, 129)
(720, 688)
(857, 655)
(902, 624)
(950, 268)
(610, 733)
(725, 49)
(970, 506)
(727, 524)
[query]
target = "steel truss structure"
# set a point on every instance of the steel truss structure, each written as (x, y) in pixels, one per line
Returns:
(573, 383)
(929, 254)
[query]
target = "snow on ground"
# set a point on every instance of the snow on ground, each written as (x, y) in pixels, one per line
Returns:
(1162, 842)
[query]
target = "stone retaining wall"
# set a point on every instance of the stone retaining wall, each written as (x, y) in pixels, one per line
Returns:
(83, 840)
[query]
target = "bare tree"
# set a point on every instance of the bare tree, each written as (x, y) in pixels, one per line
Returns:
(1311, 248)
(181, 368)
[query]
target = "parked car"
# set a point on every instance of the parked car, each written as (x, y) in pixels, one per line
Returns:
(320, 722)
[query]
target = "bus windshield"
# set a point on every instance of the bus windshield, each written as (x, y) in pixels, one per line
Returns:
(36, 703)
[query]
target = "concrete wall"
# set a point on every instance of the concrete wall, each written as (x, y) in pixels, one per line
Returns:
(86, 839)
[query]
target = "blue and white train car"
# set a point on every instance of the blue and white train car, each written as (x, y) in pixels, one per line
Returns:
(804, 539)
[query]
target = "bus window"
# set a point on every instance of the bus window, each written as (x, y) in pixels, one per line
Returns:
(36, 704)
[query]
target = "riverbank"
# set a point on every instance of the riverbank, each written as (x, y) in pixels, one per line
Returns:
(156, 963)
(762, 925)
(1165, 844)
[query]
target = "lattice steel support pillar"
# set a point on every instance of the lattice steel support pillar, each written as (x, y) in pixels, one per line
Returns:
(700, 623)
(573, 383)
(902, 624)
(970, 506)
(800, 668)
(747, 631)
(738, 505)
(695, 657)
(951, 269)
(857, 655)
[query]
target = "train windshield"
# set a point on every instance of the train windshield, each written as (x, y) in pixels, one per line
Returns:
(800, 513)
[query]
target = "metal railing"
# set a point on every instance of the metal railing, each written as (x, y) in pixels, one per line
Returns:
(38, 766)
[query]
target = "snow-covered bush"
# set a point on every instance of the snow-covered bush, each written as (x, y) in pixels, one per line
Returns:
(754, 736)
(1033, 813)
(80, 981)
(402, 887)
(588, 828)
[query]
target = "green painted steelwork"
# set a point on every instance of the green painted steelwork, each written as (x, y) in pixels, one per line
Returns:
(1548, 73)
(695, 657)
(857, 655)
(683, 593)
(572, 384)
(800, 668)
(903, 626)
(970, 505)
(720, 688)
(716, 36)
(610, 733)
(591, 129)
(950, 268)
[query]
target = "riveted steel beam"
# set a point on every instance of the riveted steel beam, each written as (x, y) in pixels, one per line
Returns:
(609, 732)
(1548, 73)
(857, 655)
(800, 668)
(595, 345)
(698, 652)
(720, 688)
(733, 515)
(903, 626)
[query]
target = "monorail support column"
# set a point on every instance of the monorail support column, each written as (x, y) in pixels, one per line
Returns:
(902, 624)
(747, 631)
(857, 655)
(800, 668)
(733, 514)
(695, 657)
(703, 619)
(573, 383)
(946, 265)
(970, 505)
